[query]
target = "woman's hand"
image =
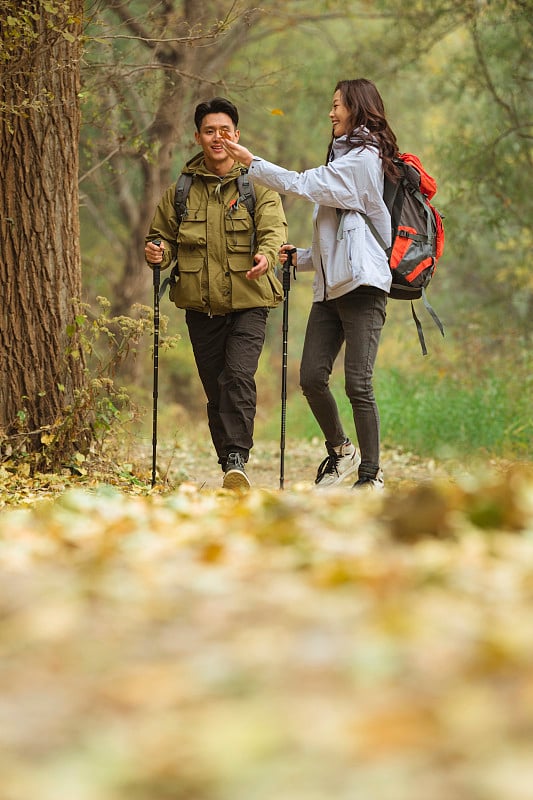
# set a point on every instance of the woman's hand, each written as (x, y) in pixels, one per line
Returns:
(284, 254)
(237, 152)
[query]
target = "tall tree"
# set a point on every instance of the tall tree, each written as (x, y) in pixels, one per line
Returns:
(41, 373)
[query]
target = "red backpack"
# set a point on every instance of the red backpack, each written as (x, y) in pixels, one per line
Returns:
(417, 235)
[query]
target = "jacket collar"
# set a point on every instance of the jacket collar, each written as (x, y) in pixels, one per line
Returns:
(343, 145)
(196, 166)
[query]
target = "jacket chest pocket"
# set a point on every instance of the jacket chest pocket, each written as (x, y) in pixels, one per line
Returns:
(239, 228)
(193, 229)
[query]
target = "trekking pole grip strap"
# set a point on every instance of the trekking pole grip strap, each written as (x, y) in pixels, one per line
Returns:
(287, 269)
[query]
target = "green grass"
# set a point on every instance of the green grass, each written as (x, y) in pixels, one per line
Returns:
(433, 415)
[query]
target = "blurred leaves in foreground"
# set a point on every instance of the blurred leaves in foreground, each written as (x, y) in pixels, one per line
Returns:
(280, 645)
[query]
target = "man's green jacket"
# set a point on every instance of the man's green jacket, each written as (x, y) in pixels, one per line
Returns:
(214, 246)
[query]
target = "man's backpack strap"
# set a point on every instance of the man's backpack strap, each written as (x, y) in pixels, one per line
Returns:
(247, 196)
(183, 186)
(246, 191)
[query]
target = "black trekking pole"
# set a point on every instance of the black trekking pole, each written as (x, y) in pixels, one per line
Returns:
(286, 288)
(156, 270)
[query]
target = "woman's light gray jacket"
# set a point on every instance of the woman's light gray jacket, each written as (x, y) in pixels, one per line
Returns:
(344, 252)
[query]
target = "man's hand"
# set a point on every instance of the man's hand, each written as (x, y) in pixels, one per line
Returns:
(261, 266)
(154, 253)
(237, 151)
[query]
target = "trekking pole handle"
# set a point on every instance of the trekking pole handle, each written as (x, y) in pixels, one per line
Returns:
(287, 269)
(156, 268)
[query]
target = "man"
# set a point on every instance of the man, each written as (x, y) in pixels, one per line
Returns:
(225, 280)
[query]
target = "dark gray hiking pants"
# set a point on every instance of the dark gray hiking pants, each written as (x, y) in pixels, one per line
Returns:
(357, 319)
(226, 350)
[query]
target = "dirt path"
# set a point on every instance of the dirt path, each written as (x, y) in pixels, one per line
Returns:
(197, 464)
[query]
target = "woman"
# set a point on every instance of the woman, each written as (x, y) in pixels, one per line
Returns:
(352, 275)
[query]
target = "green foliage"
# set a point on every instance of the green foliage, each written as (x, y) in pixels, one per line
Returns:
(487, 158)
(102, 409)
(27, 30)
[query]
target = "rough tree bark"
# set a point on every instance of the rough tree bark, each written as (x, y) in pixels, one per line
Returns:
(40, 266)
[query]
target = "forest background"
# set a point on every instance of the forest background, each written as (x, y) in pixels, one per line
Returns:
(457, 88)
(456, 80)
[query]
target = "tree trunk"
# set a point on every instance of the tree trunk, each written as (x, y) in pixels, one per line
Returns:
(41, 371)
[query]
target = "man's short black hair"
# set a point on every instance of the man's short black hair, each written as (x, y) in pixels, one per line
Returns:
(218, 105)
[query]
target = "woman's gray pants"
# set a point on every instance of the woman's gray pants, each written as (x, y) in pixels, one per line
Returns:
(355, 319)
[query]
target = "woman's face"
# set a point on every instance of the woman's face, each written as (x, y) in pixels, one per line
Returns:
(339, 115)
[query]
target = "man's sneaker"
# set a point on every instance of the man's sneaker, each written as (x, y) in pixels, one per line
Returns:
(235, 476)
(341, 462)
(374, 484)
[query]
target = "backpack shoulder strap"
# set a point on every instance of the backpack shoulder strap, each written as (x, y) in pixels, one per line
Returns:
(183, 185)
(393, 197)
(377, 236)
(391, 187)
(247, 196)
(246, 192)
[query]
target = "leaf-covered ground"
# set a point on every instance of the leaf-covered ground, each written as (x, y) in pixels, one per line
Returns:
(188, 644)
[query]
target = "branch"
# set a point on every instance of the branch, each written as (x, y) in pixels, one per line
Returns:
(96, 167)
(516, 125)
(139, 32)
(486, 74)
(121, 10)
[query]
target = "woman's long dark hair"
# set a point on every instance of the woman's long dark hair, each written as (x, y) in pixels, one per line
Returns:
(367, 121)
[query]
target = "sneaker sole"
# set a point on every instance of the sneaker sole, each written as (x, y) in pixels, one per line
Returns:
(369, 487)
(342, 477)
(236, 480)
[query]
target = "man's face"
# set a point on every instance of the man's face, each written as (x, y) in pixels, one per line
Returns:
(210, 140)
